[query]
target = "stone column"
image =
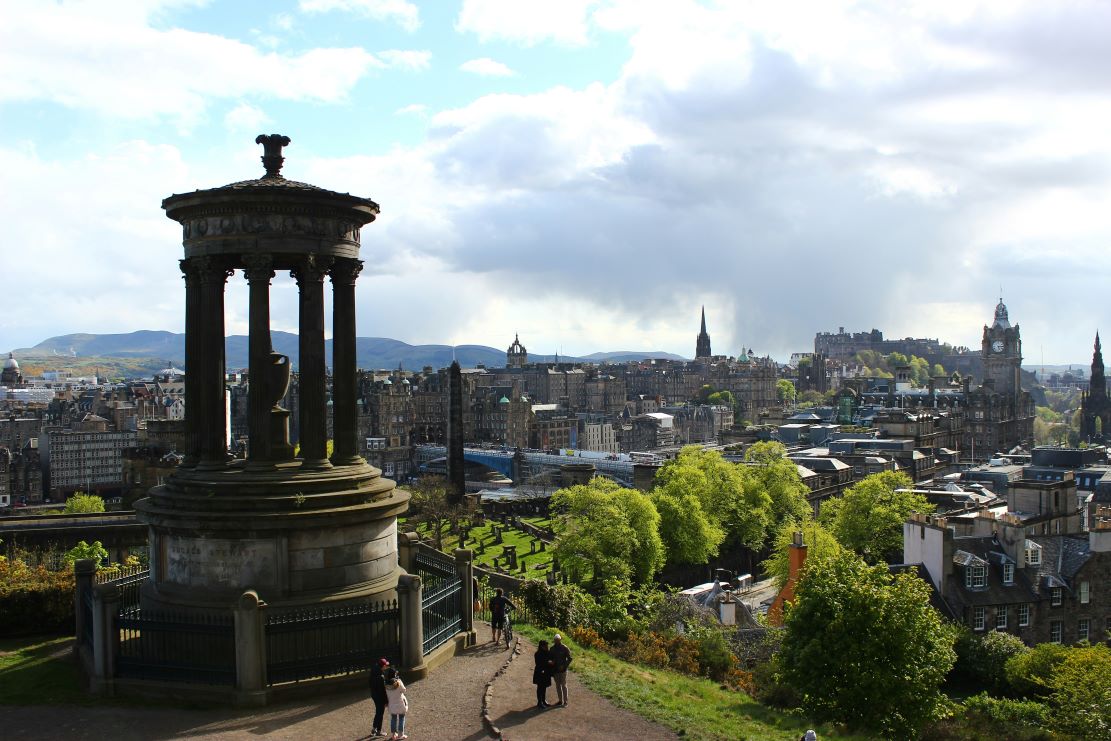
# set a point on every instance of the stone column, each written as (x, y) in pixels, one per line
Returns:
(407, 544)
(259, 272)
(345, 413)
(250, 650)
(464, 569)
(213, 432)
(106, 638)
(193, 382)
(83, 572)
(409, 594)
(312, 395)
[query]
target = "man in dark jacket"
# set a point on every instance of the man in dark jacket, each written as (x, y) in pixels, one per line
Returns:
(378, 694)
(560, 656)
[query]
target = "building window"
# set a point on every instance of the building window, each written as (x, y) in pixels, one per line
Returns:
(1055, 631)
(1008, 573)
(1082, 592)
(1023, 615)
(977, 618)
(1001, 618)
(1082, 629)
(1055, 597)
(974, 576)
(1033, 554)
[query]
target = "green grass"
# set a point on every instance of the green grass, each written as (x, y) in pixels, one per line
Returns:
(693, 707)
(510, 536)
(40, 671)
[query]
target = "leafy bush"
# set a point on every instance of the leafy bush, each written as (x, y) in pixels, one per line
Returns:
(1028, 673)
(715, 659)
(771, 689)
(34, 600)
(95, 550)
(559, 606)
(982, 659)
(1081, 697)
(588, 638)
(1005, 712)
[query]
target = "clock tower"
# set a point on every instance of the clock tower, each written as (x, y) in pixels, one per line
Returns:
(1002, 353)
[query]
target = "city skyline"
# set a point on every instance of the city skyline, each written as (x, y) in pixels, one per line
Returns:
(586, 174)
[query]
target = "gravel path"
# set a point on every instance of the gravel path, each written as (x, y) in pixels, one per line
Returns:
(587, 715)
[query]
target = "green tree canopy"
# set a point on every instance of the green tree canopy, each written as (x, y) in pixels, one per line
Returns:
(725, 490)
(820, 545)
(431, 505)
(1081, 693)
(81, 503)
(606, 531)
(770, 470)
(865, 648)
(785, 391)
(688, 534)
(869, 517)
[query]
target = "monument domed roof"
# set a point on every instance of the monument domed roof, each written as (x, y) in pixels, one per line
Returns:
(11, 362)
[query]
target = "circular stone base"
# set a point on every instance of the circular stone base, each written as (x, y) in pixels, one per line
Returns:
(295, 537)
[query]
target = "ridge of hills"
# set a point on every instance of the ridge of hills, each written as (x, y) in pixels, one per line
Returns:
(146, 351)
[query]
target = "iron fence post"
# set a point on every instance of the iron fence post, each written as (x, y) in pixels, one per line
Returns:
(250, 650)
(409, 597)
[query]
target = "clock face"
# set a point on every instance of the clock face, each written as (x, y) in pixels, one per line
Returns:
(997, 346)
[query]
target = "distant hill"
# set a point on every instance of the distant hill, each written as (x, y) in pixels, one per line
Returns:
(152, 350)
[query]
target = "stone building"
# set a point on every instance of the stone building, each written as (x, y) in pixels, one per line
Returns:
(87, 458)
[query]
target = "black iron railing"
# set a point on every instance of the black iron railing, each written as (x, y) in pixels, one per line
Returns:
(176, 647)
(330, 641)
(441, 613)
(129, 587)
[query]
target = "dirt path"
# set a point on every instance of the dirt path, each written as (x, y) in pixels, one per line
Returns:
(587, 715)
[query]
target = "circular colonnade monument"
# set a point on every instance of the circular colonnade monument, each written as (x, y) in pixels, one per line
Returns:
(298, 530)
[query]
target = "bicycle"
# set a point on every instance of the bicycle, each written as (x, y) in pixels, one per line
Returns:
(507, 629)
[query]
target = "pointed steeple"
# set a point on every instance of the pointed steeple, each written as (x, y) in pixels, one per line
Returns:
(1098, 384)
(702, 344)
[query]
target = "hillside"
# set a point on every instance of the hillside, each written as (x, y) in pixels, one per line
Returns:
(146, 351)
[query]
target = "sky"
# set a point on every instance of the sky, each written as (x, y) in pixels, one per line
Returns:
(584, 173)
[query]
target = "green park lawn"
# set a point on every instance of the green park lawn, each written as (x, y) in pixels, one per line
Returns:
(40, 671)
(510, 536)
(694, 707)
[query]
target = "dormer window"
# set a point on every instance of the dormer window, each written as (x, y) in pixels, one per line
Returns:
(1033, 554)
(1008, 573)
(975, 576)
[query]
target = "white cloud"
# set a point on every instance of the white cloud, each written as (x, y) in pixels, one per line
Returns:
(486, 67)
(406, 59)
(245, 118)
(527, 21)
(413, 109)
(405, 14)
(117, 65)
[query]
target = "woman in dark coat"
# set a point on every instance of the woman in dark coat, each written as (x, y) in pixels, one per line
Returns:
(542, 674)
(378, 694)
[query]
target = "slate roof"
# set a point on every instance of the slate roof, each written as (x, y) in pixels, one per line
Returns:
(986, 551)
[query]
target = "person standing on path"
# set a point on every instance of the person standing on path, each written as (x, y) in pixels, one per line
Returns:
(560, 656)
(378, 694)
(542, 674)
(399, 705)
(498, 604)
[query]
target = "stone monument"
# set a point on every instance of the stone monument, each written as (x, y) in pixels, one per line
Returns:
(301, 530)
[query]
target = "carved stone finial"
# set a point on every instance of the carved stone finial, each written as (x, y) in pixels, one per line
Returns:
(272, 158)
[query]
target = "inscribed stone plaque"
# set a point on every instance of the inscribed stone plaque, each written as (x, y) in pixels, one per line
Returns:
(219, 563)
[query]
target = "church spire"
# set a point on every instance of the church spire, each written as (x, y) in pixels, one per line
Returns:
(702, 344)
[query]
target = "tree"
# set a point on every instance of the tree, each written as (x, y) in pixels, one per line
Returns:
(725, 491)
(771, 471)
(820, 545)
(81, 503)
(431, 505)
(869, 517)
(688, 535)
(605, 531)
(95, 550)
(1081, 693)
(784, 391)
(865, 647)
